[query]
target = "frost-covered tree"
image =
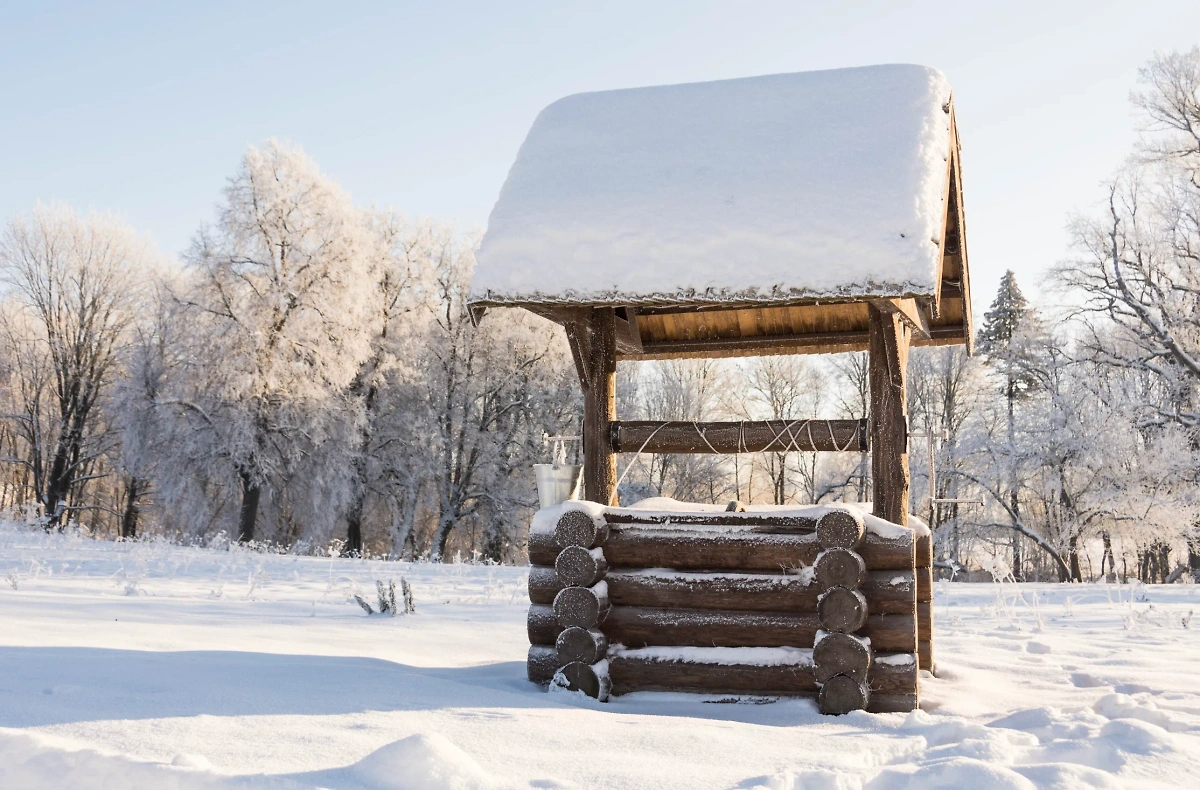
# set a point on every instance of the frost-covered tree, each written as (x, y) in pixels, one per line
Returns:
(381, 387)
(281, 289)
(945, 387)
(72, 289)
(492, 392)
(1136, 266)
(1008, 341)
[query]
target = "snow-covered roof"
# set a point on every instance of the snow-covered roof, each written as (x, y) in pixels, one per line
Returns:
(790, 186)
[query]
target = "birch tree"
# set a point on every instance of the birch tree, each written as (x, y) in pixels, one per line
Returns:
(72, 287)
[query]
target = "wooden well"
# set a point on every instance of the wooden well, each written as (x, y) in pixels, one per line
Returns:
(606, 618)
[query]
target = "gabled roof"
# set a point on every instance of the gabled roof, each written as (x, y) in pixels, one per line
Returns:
(756, 193)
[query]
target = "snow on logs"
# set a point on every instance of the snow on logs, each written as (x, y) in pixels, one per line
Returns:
(610, 593)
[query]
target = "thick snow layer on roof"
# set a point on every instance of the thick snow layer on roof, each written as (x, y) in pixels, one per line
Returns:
(818, 184)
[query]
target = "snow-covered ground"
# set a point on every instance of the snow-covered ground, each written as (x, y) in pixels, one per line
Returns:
(150, 665)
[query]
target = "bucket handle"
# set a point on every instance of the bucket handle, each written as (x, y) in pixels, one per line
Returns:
(560, 446)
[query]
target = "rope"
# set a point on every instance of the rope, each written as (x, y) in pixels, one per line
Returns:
(636, 458)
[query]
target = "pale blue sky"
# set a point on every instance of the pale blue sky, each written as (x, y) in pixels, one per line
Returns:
(144, 109)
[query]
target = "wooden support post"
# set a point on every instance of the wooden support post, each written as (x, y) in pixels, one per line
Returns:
(598, 352)
(889, 342)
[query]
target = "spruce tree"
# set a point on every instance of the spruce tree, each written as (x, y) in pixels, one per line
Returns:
(1002, 341)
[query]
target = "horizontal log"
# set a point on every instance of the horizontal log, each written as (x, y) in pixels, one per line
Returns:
(892, 703)
(923, 555)
(892, 633)
(924, 584)
(541, 664)
(925, 655)
(891, 685)
(890, 592)
(544, 584)
(925, 636)
(542, 626)
(682, 549)
(752, 521)
(809, 343)
(635, 626)
(893, 673)
(542, 548)
(630, 672)
(887, 592)
(760, 436)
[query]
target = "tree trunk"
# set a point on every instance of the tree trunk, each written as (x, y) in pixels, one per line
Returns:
(354, 539)
(58, 486)
(1010, 393)
(1016, 541)
(129, 518)
(1108, 556)
(1073, 560)
(1193, 544)
(251, 493)
(445, 524)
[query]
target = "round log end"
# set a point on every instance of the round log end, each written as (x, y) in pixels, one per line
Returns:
(840, 568)
(841, 694)
(578, 567)
(841, 654)
(577, 606)
(840, 529)
(578, 676)
(581, 644)
(842, 609)
(576, 528)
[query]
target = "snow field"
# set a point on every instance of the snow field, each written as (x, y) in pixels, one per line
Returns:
(152, 665)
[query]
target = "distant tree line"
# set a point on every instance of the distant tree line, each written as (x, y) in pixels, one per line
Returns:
(310, 373)
(310, 376)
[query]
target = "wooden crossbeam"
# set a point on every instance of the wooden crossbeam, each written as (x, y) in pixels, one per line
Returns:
(850, 341)
(759, 436)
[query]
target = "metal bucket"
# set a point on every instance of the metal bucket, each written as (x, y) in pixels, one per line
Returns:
(556, 483)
